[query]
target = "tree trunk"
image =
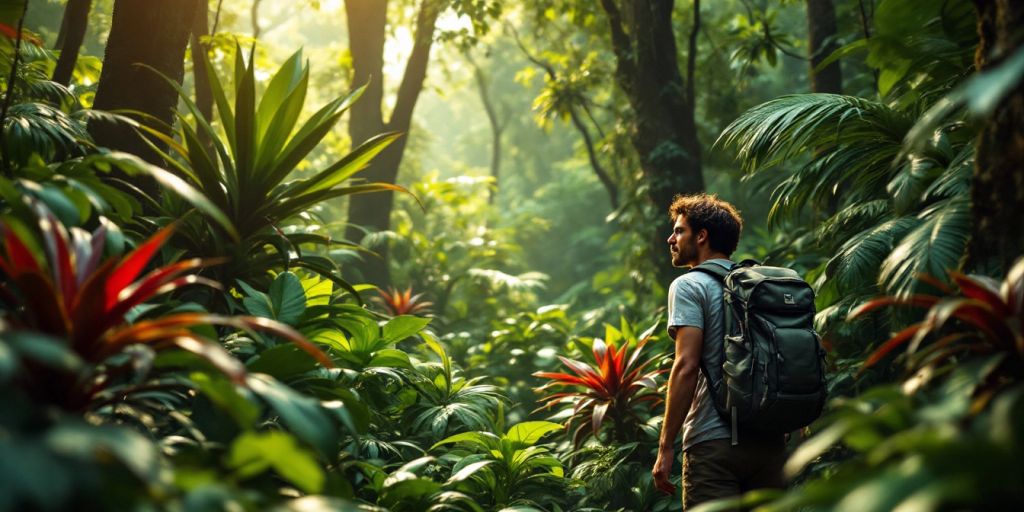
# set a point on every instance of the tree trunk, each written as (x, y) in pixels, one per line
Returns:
(997, 186)
(821, 42)
(201, 79)
(366, 25)
(665, 135)
(69, 42)
(150, 32)
(496, 123)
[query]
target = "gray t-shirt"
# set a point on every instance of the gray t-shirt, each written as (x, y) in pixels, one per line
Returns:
(695, 300)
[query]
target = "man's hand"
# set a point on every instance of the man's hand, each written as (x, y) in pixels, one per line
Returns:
(662, 470)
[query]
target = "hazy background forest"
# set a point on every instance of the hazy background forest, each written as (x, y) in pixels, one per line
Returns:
(333, 254)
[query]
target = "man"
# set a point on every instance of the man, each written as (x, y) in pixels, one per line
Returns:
(706, 229)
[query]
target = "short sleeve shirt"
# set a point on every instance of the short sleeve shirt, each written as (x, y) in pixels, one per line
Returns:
(695, 300)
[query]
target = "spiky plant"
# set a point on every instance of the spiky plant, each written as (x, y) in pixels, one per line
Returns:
(75, 295)
(397, 303)
(616, 386)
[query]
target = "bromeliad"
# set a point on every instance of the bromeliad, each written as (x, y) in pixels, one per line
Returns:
(616, 384)
(73, 295)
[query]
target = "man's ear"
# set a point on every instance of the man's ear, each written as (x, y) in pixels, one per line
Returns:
(702, 235)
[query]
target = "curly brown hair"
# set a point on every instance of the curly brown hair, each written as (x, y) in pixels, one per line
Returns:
(707, 211)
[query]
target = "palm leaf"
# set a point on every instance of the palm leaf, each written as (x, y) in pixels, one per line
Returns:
(934, 246)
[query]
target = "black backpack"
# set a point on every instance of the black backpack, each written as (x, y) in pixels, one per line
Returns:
(773, 369)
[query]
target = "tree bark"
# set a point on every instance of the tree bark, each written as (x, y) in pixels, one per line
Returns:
(366, 25)
(997, 186)
(201, 79)
(821, 33)
(69, 41)
(150, 32)
(665, 134)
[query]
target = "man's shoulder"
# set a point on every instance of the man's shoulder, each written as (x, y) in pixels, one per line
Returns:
(700, 278)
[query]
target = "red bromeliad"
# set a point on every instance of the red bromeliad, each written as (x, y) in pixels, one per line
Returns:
(990, 316)
(402, 303)
(617, 384)
(74, 296)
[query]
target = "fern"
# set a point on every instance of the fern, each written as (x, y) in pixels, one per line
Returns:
(933, 247)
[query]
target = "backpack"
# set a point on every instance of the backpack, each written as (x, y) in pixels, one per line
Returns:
(773, 369)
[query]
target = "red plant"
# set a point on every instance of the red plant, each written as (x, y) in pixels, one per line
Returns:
(617, 384)
(73, 296)
(402, 303)
(991, 316)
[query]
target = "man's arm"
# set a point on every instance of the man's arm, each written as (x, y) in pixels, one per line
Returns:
(682, 382)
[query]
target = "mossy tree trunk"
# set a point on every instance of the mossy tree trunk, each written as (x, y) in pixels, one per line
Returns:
(665, 131)
(997, 188)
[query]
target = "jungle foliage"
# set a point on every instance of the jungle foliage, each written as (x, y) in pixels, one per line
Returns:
(209, 344)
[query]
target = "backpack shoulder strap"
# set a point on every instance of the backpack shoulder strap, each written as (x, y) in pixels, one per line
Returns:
(712, 269)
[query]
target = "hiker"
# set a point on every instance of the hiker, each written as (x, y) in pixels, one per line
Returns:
(706, 230)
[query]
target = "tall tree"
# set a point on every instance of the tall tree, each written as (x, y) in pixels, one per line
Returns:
(149, 32)
(821, 42)
(647, 71)
(70, 37)
(367, 31)
(997, 188)
(201, 80)
(497, 121)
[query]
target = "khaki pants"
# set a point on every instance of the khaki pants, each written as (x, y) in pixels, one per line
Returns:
(715, 469)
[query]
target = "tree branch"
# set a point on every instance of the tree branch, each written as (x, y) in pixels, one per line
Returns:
(622, 45)
(416, 67)
(595, 164)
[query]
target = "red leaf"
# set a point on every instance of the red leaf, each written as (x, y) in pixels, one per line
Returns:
(56, 238)
(979, 290)
(21, 259)
(133, 264)
(921, 301)
(897, 340)
(156, 283)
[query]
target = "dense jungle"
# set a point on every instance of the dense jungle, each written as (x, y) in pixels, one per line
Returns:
(410, 255)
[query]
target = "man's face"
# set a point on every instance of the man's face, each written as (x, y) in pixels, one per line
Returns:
(682, 244)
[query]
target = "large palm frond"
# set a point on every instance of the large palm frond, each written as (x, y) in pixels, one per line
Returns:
(852, 141)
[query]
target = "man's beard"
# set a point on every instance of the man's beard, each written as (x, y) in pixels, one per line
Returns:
(685, 256)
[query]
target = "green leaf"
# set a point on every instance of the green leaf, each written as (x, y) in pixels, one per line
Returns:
(287, 79)
(309, 503)
(300, 414)
(46, 350)
(529, 432)
(86, 442)
(282, 362)
(288, 298)
(391, 358)
(135, 165)
(469, 471)
(401, 327)
(480, 439)
(223, 392)
(253, 453)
